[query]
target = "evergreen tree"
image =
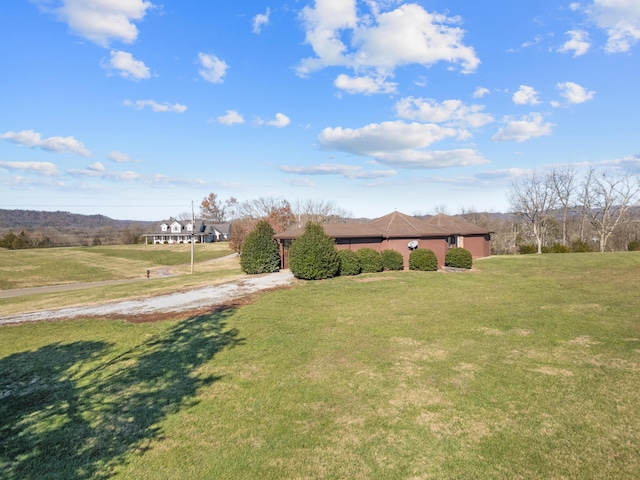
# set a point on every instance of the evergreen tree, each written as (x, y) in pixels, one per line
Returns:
(260, 252)
(313, 255)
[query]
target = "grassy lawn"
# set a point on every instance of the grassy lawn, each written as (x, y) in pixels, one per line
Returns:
(528, 367)
(55, 266)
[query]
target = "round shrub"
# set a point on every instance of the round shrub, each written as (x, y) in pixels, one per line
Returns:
(558, 248)
(458, 258)
(392, 260)
(634, 246)
(349, 263)
(579, 246)
(370, 260)
(260, 252)
(423, 259)
(313, 255)
(527, 249)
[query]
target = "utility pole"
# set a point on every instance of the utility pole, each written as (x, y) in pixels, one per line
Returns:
(193, 234)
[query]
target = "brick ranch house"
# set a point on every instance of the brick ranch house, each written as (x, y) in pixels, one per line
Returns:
(397, 231)
(177, 231)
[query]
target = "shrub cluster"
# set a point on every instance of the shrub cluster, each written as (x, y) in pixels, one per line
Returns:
(392, 260)
(370, 260)
(458, 258)
(527, 249)
(634, 246)
(313, 255)
(423, 259)
(260, 252)
(349, 263)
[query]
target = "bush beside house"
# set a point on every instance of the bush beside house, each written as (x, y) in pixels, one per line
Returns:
(313, 255)
(349, 263)
(458, 258)
(260, 252)
(370, 260)
(392, 260)
(423, 259)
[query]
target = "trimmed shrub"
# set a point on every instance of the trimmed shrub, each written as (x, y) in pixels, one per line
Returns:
(349, 263)
(458, 258)
(313, 255)
(260, 252)
(527, 249)
(392, 260)
(634, 246)
(370, 260)
(578, 246)
(559, 248)
(423, 259)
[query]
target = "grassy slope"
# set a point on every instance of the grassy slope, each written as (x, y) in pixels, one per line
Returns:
(54, 266)
(526, 368)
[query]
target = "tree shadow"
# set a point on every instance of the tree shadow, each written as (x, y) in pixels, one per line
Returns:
(74, 411)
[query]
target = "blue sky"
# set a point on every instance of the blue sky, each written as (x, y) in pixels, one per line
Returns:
(134, 109)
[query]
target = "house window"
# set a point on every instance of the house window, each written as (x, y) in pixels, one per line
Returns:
(175, 228)
(189, 227)
(163, 227)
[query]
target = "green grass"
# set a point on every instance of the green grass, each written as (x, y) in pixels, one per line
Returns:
(54, 266)
(527, 367)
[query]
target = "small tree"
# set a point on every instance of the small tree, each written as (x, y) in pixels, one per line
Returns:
(349, 263)
(370, 260)
(260, 252)
(423, 259)
(313, 255)
(392, 260)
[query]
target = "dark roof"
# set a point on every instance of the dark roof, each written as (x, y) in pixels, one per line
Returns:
(394, 225)
(456, 226)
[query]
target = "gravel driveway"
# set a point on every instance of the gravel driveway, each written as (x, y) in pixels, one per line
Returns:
(154, 308)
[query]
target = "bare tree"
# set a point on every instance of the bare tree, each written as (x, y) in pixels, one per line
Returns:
(318, 211)
(564, 182)
(532, 197)
(215, 210)
(607, 198)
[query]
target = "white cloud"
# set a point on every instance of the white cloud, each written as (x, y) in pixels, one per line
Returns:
(31, 139)
(280, 121)
(382, 41)
(120, 157)
(261, 20)
(620, 19)
(399, 144)
(347, 171)
(231, 117)
(527, 127)
(419, 159)
(574, 93)
(376, 138)
(300, 182)
(101, 21)
(212, 68)
(526, 96)
(155, 106)
(367, 85)
(579, 43)
(480, 92)
(96, 167)
(449, 112)
(128, 67)
(46, 169)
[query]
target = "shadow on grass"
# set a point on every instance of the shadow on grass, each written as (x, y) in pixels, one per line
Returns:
(74, 411)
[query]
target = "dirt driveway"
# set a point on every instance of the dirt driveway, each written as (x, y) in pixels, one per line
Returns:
(191, 302)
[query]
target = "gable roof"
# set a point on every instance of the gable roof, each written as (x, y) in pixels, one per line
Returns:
(456, 226)
(393, 225)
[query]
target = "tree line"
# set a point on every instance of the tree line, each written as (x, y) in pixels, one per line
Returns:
(561, 207)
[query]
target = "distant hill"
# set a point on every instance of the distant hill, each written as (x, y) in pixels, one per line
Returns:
(34, 219)
(65, 228)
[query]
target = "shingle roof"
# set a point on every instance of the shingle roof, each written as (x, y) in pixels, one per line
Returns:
(396, 225)
(456, 226)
